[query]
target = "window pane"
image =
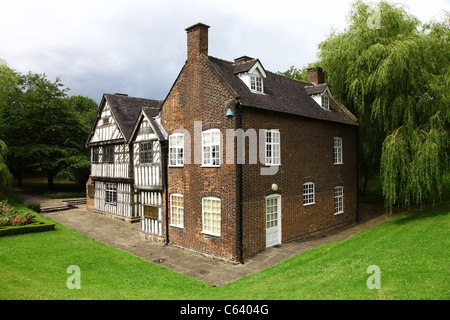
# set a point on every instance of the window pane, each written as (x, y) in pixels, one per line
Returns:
(211, 216)
(308, 193)
(211, 148)
(177, 210)
(176, 148)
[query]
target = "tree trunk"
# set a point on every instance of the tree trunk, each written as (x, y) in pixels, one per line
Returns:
(362, 187)
(19, 179)
(50, 180)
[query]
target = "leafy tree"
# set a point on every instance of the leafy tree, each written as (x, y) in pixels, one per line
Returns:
(78, 166)
(6, 178)
(42, 128)
(298, 74)
(395, 78)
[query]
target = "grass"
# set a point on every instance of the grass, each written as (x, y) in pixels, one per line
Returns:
(411, 249)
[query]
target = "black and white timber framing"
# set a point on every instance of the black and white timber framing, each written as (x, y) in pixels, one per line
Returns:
(126, 167)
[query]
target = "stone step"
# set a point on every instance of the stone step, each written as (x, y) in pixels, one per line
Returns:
(56, 208)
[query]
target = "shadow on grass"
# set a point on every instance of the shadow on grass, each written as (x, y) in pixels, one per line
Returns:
(35, 187)
(426, 212)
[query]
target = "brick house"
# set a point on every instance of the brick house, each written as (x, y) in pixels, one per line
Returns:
(252, 159)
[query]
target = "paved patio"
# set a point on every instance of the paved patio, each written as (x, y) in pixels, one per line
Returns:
(126, 236)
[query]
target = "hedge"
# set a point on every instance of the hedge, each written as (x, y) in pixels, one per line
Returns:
(39, 224)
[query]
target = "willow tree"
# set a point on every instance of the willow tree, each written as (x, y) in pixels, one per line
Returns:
(6, 177)
(393, 72)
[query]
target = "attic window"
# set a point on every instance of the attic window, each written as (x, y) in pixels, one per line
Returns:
(256, 83)
(325, 102)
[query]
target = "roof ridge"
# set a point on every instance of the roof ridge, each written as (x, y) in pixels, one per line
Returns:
(125, 96)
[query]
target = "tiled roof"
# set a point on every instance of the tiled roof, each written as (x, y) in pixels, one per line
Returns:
(316, 88)
(126, 110)
(281, 94)
(151, 113)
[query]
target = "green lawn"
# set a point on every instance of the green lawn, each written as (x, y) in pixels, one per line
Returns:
(411, 250)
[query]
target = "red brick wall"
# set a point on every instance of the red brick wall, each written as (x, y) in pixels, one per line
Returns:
(306, 155)
(198, 95)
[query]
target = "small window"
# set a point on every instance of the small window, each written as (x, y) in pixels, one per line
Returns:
(272, 147)
(256, 84)
(338, 200)
(326, 102)
(177, 210)
(105, 121)
(111, 193)
(145, 152)
(211, 216)
(337, 150)
(108, 154)
(95, 155)
(176, 150)
(308, 193)
(150, 212)
(211, 148)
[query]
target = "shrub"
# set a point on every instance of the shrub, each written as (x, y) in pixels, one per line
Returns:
(10, 216)
(35, 206)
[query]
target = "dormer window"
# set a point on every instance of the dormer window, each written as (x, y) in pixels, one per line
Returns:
(325, 102)
(256, 84)
(321, 94)
(251, 72)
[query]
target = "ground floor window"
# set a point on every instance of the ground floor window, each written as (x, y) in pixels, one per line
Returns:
(177, 210)
(338, 200)
(111, 193)
(308, 193)
(211, 215)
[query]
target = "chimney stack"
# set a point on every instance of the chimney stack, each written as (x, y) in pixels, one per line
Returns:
(315, 75)
(197, 41)
(242, 59)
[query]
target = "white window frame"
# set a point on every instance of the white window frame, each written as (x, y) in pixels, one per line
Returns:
(211, 218)
(337, 150)
(111, 193)
(176, 150)
(211, 157)
(338, 200)
(272, 150)
(256, 83)
(325, 102)
(309, 197)
(177, 210)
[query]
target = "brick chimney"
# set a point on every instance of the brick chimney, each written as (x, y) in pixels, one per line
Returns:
(315, 75)
(242, 59)
(197, 41)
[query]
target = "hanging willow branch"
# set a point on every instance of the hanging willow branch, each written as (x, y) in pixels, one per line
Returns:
(6, 178)
(395, 79)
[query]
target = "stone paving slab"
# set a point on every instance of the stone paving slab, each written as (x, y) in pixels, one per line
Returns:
(126, 236)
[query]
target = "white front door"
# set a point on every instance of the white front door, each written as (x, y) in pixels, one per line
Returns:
(273, 220)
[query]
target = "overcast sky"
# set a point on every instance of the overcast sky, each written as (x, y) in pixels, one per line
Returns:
(139, 47)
